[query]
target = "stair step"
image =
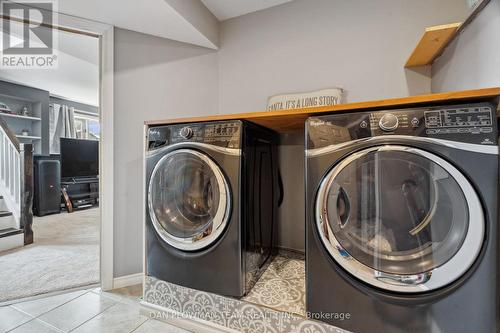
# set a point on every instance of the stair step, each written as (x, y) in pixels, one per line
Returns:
(11, 238)
(4, 213)
(3, 205)
(9, 232)
(7, 220)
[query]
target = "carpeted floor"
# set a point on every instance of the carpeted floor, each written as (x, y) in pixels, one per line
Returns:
(65, 255)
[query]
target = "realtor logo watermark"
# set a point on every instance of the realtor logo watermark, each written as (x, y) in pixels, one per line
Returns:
(28, 36)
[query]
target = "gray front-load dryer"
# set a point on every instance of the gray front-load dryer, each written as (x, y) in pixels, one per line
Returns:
(402, 219)
(211, 202)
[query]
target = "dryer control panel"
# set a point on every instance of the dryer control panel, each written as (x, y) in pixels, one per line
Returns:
(471, 123)
(225, 134)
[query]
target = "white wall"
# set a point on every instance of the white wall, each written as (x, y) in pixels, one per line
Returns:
(472, 61)
(154, 78)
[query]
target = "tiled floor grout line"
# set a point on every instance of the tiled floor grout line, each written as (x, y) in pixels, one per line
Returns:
(50, 325)
(33, 318)
(145, 321)
(41, 314)
(88, 288)
(112, 298)
(109, 307)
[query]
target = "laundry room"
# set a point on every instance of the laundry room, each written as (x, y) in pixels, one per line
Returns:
(399, 183)
(260, 167)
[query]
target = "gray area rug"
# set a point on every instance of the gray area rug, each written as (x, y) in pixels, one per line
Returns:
(64, 255)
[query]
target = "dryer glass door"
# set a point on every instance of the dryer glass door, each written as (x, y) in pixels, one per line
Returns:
(188, 199)
(400, 218)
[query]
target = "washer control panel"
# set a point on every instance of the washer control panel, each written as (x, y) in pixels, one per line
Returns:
(221, 132)
(471, 123)
(225, 134)
(388, 122)
(459, 120)
(186, 132)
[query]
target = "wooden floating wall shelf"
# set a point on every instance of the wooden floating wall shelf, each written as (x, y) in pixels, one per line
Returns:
(286, 121)
(432, 44)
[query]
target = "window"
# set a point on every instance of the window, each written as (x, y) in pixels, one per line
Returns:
(87, 126)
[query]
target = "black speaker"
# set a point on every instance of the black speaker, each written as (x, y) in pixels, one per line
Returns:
(47, 189)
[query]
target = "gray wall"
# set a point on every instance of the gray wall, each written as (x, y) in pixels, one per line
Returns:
(291, 224)
(154, 78)
(361, 46)
(310, 44)
(302, 45)
(473, 59)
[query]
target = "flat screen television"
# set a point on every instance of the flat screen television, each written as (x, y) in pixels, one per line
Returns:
(79, 158)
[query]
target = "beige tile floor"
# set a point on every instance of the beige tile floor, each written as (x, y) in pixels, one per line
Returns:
(89, 310)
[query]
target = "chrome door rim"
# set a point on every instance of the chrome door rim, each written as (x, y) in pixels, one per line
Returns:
(436, 278)
(212, 232)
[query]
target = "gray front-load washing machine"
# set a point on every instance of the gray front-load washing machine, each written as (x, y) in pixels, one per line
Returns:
(402, 219)
(211, 203)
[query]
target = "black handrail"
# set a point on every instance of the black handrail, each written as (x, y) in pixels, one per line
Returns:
(26, 186)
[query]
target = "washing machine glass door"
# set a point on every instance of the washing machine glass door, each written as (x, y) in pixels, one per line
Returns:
(188, 199)
(400, 218)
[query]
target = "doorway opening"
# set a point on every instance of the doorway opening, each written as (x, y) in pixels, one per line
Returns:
(57, 114)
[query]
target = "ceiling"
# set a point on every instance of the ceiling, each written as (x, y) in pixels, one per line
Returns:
(80, 46)
(194, 22)
(172, 19)
(76, 76)
(226, 9)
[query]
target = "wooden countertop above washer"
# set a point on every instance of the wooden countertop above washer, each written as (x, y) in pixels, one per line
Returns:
(290, 120)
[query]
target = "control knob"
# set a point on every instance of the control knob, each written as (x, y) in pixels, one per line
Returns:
(186, 132)
(388, 122)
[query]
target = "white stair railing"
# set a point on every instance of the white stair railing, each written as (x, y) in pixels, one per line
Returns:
(9, 174)
(16, 178)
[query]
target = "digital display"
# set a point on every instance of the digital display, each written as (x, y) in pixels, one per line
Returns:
(470, 117)
(222, 130)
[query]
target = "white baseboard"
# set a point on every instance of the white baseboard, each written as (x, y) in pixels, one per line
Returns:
(128, 280)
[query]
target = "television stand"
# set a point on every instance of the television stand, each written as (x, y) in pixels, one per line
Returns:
(83, 192)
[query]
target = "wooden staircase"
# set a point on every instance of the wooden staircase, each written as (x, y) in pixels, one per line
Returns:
(10, 235)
